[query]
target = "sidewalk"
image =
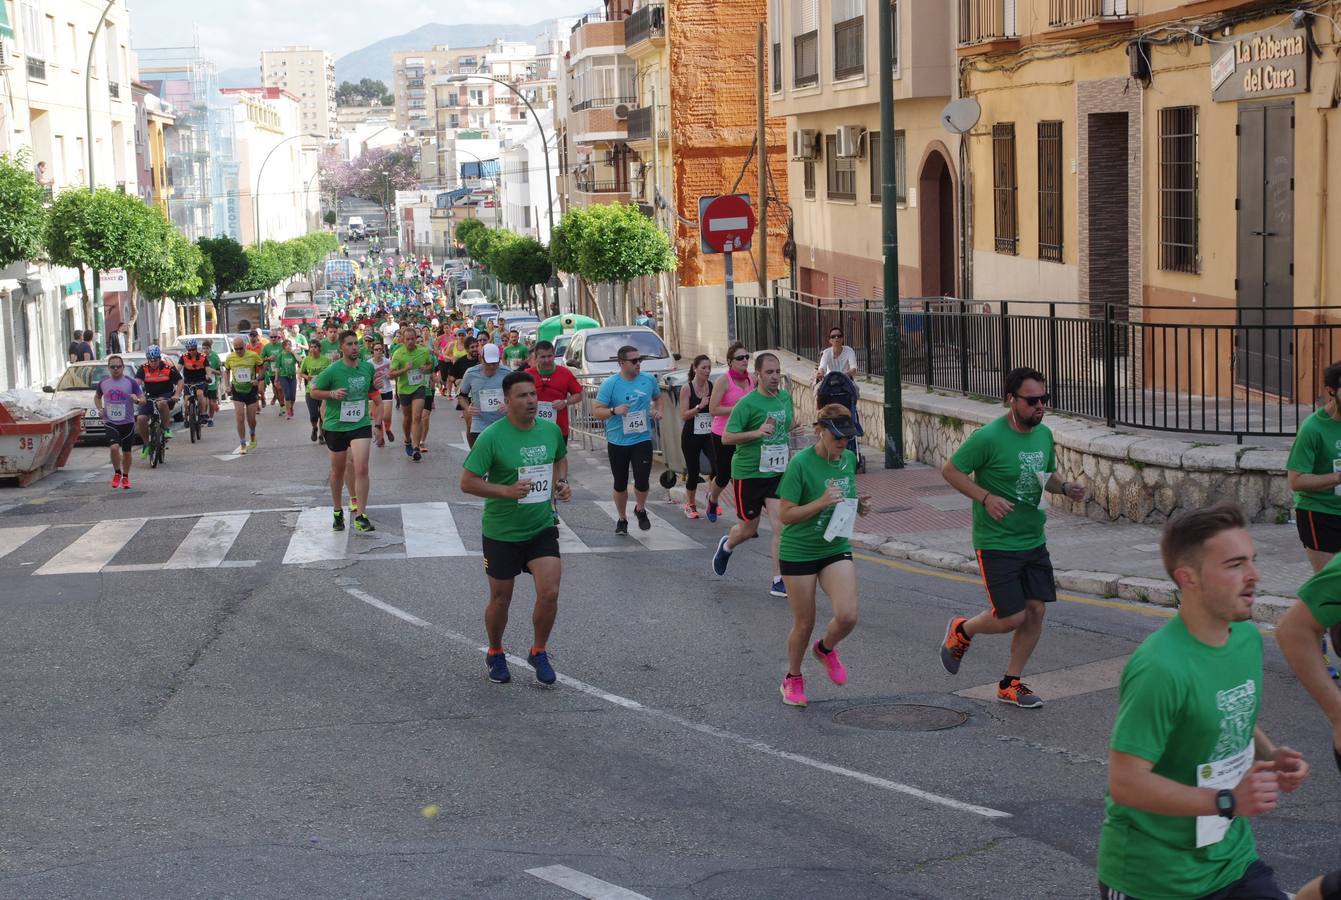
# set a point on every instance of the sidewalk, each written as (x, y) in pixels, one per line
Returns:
(918, 517)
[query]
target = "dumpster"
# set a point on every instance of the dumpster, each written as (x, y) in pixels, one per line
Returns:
(668, 433)
(31, 449)
(568, 323)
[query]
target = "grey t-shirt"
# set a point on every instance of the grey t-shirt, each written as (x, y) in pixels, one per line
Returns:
(486, 395)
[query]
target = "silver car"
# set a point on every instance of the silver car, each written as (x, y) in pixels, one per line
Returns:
(595, 351)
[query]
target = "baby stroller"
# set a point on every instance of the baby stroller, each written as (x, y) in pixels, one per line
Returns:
(837, 387)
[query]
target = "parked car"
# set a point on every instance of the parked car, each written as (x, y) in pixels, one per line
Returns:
(78, 382)
(485, 310)
(471, 296)
(298, 314)
(561, 346)
(595, 351)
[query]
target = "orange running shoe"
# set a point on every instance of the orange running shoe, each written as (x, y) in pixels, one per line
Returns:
(954, 646)
(1018, 694)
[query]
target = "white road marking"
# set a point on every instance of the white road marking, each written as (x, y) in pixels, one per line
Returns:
(663, 535)
(12, 539)
(569, 542)
(701, 728)
(430, 531)
(462, 444)
(313, 540)
(1070, 682)
(584, 885)
(208, 543)
(93, 549)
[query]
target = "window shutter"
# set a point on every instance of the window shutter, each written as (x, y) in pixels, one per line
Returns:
(805, 16)
(1008, 28)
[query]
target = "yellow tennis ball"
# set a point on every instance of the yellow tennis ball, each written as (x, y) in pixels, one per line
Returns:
(431, 811)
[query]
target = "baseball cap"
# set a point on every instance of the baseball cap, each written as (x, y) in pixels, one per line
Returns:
(491, 354)
(842, 427)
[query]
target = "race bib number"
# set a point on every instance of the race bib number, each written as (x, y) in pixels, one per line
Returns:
(353, 410)
(242, 376)
(116, 411)
(491, 401)
(635, 422)
(1223, 775)
(1336, 467)
(703, 423)
(415, 376)
(546, 412)
(843, 520)
(773, 457)
(541, 478)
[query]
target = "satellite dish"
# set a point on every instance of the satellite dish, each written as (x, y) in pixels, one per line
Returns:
(960, 116)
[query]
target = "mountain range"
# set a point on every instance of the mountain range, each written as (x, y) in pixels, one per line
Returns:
(374, 60)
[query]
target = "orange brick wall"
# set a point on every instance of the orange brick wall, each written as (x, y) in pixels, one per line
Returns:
(713, 121)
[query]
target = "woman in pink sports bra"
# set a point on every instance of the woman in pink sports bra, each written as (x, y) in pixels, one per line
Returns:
(725, 392)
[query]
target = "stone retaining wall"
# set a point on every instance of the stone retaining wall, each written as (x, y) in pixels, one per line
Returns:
(1133, 476)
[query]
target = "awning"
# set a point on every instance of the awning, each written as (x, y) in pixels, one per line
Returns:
(6, 30)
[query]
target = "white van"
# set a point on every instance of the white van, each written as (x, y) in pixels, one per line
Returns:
(354, 226)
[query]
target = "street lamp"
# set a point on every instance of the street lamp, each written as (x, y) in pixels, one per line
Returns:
(88, 138)
(256, 200)
(549, 178)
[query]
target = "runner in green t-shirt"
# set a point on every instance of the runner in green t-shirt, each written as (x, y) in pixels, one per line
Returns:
(310, 368)
(268, 375)
(1314, 469)
(286, 375)
(517, 465)
(344, 387)
(1301, 628)
(1188, 765)
(214, 368)
(760, 430)
(819, 485)
(412, 367)
(330, 343)
(515, 353)
(1004, 467)
(242, 372)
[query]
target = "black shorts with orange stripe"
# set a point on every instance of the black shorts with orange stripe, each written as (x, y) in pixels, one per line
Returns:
(1318, 530)
(1013, 577)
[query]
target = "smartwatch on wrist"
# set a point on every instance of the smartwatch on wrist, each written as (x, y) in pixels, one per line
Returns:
(1224, 804)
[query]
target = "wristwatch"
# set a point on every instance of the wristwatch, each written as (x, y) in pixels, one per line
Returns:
(1224, 804)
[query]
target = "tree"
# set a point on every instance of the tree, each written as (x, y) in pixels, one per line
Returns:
(379, 173)
(363, 94)
(266, 266)
(611, 244)
(566, 241)
(22, 218)
(225, 267)
(175, 272)
(329, 217)
(523, 263)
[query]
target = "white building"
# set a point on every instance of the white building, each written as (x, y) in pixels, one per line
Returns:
(309, 75)
(276, 171)
(42, 109)
(521, 182)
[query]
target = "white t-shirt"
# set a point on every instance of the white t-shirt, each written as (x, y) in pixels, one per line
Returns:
(388, 329)
(847, 361)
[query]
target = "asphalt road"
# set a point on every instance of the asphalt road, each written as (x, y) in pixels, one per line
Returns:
(179, 722)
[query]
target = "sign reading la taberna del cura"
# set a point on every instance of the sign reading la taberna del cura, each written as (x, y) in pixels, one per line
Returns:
(1268, 63)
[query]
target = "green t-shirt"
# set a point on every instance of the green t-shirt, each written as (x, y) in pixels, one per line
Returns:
(269, 352)
(808, 477)
(1006, 462)
(330, 349)
(351, 413)
(416, 378)
(1182, 705)
(1322, 593)
(1316, 445)
(499, 454)
(312, 366)
(287, 364)
(749, 413)
(515, 354)
(212, 362)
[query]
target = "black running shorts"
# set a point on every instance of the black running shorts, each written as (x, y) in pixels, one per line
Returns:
(811, 566)
(339, 441)
(1013, 577)
(751, 494)
(1318, 530)
(505, 560)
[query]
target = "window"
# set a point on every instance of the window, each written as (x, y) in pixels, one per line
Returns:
(849, 38)
(1004, 188)
(775, 41)
(900, 167)
(54, 55)
(1050, 191)
(808, 177)
(805, 44)
(840, 181)
(1178, 188)
(34, 46)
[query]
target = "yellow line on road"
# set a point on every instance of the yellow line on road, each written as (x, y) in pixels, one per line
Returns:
(1157, 612)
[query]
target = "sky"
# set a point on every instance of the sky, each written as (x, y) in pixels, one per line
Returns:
(233, 32)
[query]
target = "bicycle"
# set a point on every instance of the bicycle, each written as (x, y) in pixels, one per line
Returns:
(191, 415)
(157, 443)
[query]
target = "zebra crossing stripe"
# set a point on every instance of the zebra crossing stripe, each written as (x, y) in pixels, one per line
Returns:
(208, 544)
(313, 540)
(430, 531)
(569, 542)
(93, 549)
(12, 539)
(663, 536)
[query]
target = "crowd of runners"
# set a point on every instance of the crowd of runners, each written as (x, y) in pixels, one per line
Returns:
(1189, 764)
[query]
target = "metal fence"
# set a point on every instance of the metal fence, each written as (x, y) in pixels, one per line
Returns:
(1232, 372)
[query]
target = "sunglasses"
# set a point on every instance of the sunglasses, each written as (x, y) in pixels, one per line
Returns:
(835, 337)
(1034, 401)
(741, 357)
(116, 368)
(635, 362)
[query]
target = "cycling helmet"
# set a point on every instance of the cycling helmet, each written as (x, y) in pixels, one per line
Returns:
(192, 345)
(154, 353)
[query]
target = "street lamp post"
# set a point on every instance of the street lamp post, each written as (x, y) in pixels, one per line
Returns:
(256, 200)
(549, 178)
(92, 184)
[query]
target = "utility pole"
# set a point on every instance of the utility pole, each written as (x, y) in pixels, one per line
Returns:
(92, 182)
(761, 160)
(890, 231)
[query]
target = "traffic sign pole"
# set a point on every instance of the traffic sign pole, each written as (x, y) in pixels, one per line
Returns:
(730, 296)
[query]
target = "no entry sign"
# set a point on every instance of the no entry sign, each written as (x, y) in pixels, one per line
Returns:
(725, 223)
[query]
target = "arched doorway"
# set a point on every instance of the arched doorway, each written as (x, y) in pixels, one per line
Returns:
(939, 259)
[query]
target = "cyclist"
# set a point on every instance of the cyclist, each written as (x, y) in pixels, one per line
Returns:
(114, 398)
(311, 367)
(162, 388)
(195, 372)
(214, 367)
(242, 372)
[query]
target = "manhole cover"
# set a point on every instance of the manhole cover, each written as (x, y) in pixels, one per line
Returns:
(901, 717)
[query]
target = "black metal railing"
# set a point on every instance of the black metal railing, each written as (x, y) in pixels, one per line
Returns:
(596, 15)
(640, 123)
(1225, 371)
(602, 102)
(591, 186)
(645, 24)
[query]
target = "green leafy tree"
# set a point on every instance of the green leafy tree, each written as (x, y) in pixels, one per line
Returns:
(266, 266)
(224, 268)
(175, 273)
(522, 263)
(567, 239)
(23, 220)
(329, 217)
(363, 93)
(612, 244)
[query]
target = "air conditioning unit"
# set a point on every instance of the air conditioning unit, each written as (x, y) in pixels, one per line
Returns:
(805, 144)
(848, 143)
(6, 55)
(622, 111)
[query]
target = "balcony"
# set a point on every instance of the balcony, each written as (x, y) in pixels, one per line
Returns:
(642, 121)
(595, 33)
(602, 103)
(415, 83)
(1066, 13)
(647, 25)
(985, 21)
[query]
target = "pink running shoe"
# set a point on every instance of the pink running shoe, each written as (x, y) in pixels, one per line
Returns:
(794, 690)
(832, 664)
(116, 479)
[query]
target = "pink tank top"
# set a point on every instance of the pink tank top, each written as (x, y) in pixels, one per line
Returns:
(734, 391)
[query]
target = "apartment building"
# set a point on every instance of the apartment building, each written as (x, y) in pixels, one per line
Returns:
(824, 77)
(277, 196)
(1167, 161)
(153, 119)
(46, 44)
(309, 75)
(350, 118)
(413, 75)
